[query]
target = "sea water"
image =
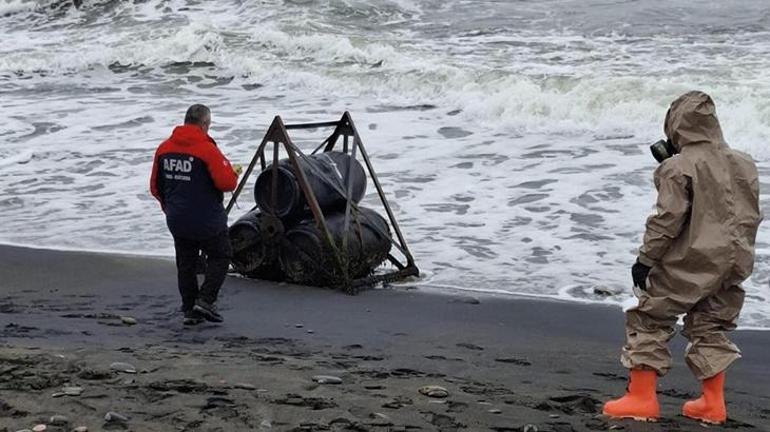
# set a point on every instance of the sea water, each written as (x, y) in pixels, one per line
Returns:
(510, 137)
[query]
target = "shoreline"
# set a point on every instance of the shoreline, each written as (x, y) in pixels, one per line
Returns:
(424, 287)
(505, 362)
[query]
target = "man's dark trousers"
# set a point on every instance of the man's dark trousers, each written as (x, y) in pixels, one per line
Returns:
(218, 253)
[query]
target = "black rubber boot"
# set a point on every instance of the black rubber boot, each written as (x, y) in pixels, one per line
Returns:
(208, 311)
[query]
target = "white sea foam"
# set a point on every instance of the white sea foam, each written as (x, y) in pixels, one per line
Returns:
(571, 98)
(515, 156)
(11, 7)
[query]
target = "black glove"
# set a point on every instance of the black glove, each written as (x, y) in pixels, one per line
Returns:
(639, 274)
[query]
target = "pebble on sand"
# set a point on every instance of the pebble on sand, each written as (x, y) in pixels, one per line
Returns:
(59, 420)
(327, 379)
(123, 367)
(72, 390)
(39, 428)
(381, 420)
(244, 386)
(129, 321)
(434, 391)
(494, 411)
(113, 417)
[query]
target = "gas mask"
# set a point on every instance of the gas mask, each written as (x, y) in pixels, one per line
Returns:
(663, 150)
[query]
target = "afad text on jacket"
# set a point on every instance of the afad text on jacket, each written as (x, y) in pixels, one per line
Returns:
(189, 176)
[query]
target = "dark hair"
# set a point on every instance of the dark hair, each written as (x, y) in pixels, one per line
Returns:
(197, 114)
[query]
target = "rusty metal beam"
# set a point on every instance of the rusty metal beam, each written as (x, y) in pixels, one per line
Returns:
(318, 215)
(357, 142)
(323, 144)
(349, 201)
(310, 125)
(274, 179)
(259, 154)
(385, 277)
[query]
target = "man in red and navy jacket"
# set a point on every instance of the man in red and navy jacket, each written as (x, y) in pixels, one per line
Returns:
(189, 176)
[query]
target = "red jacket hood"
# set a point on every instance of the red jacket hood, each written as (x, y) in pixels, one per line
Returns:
(188, 135)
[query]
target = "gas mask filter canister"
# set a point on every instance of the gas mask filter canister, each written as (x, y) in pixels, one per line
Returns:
(663, 150)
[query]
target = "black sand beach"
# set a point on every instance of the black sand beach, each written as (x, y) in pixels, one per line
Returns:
(507, 364)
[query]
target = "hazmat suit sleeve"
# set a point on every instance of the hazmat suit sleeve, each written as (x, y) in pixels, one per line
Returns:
(671, 212)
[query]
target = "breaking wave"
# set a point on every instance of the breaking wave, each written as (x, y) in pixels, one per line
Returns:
(528, 82)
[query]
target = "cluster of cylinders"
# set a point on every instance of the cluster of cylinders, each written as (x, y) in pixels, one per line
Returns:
(280, 239)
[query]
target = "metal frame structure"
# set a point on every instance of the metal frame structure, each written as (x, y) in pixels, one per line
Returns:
(278, 135)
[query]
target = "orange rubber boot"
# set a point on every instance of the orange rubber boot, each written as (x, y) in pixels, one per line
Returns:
(710, 407)
(640, 402)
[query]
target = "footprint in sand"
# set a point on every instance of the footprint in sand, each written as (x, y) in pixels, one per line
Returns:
(470, 346)
(514, 360)
(314, 403)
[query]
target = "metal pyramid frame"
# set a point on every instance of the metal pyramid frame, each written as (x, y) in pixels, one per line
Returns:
(278, 135)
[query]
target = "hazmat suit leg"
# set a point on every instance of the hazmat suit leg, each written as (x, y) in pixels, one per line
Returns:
(651, 324)
(648, 332)
(710, 351)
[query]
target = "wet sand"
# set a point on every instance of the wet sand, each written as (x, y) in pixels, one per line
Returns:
(507, 364)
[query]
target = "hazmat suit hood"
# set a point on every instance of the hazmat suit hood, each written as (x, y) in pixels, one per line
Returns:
(692, 120)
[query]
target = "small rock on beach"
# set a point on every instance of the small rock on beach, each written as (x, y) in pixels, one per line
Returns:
(123, 367)
(113, 417)
(59, 420)
(72, 391)
(434, 391)
(327, 379)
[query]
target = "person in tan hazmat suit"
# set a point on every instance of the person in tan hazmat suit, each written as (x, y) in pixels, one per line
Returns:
(698, 248)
